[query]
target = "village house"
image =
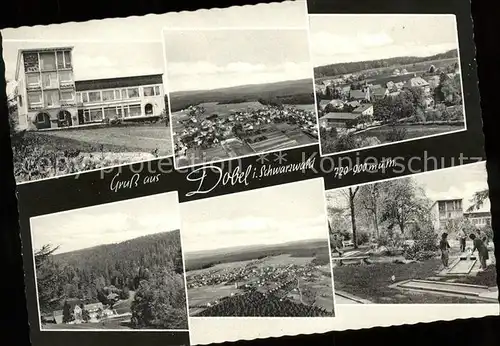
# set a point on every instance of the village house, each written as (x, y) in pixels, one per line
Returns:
(49, 97)
(337, 119)
(337, 104)
(418, 82)
(445, 210)
(360, 95)
(479, 219)
(378, 94)
(364, 109)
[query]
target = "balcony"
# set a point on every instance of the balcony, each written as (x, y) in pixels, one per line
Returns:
(33, 87)
(67, 84)
(50, 86)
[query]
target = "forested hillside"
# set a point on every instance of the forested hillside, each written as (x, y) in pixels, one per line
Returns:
(151, 266)
(351, 67)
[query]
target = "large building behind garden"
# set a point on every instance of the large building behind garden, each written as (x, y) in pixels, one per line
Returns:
(49, 97)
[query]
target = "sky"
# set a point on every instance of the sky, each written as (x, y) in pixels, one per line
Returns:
(107, 223)
(121, 47)
(351, 38)
(456, 182)
(212, 59)
(273, 215)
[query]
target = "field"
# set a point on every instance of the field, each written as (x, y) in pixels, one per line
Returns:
(247, 93)
(412, 131)
(314, 248)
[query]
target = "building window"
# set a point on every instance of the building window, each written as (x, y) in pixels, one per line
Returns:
(65, 76)
(151, 91)
(40, 117)
(61, 116)
(117, 94)
(86, 115)
(49, 80)
(133, 93)
(51, 97)
(48, 61)
(85, 97)
(94, 96)
(20, 101)
(96, 114)
(135, 110)
(79, 97)
(64, 59)
(108, 95)
(67, 95)
(34, 98)
(33, 79)
(31, 62)
(148, 109)
(113, 112)
(124, 94)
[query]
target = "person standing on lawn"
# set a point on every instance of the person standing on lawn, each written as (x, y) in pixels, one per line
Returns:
(445, 249)
(463, 239)
(482, 250)
(337, 245)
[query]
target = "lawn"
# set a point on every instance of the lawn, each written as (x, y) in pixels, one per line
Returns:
(371, 282)
(413, 131)
(45, 154)
(139, 138)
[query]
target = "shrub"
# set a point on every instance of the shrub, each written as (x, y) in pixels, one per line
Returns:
(396, 134)
(425, 243)
(363, 238)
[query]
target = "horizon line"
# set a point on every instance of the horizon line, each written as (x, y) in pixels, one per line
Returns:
(392, 57)
(259, 244)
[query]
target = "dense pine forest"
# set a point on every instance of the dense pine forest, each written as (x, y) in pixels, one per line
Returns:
(147, 270)
(351, 67)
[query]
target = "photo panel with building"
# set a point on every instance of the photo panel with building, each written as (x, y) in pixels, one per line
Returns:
(387, 239)
(84, 105)
(385, 78)
(237, 92)
(261, 253)
(116, 266)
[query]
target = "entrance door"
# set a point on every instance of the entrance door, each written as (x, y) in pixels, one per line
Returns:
(81, 118)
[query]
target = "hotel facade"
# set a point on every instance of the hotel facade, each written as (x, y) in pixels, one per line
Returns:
(49, 97)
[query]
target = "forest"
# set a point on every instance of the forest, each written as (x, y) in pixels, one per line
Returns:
(255, 304)
(150, 266)
(351, 67)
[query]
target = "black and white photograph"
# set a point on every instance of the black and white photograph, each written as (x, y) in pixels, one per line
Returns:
(383, 79)
(260, 253)
(77, 105)
(423, 239)
(236, 92)
(115, 266)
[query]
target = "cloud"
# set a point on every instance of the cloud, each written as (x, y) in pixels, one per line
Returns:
(331, 48)
(206, 75)
(249, 230)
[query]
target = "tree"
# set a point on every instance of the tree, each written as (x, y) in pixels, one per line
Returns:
(432, 69)
(351, 195)
(478, 199)
(50, 291)
(67, 313)
(369, 197)
(160, 302)
(402, 203)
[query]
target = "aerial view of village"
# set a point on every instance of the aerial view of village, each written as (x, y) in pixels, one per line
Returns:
(393, 78)
(425, 239)
(80, 105)
(115, 266)
(274, 261)
(229, 103)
